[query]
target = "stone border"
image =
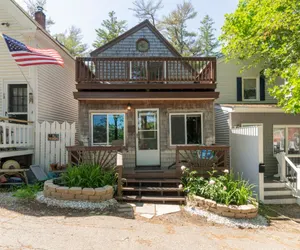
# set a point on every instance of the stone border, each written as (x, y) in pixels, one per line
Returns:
(232, 211)
(77, 193)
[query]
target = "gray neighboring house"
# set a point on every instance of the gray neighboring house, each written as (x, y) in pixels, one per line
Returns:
(244, 101)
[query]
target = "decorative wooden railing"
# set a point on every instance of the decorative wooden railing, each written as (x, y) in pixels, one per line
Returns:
(146, 69)
(202, 158)
(16, 135)
(106, 157)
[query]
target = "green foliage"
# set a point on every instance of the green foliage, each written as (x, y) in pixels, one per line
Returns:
(28, 191)
(72, 40)
(266, 34)
(88, 176)
(207, 43)
(146, 9)
(224, 189)
(174, 26)
(111, 29)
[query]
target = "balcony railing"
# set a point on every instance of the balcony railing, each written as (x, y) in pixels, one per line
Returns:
(146, 70)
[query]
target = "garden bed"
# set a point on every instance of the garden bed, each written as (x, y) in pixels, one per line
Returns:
(233, 211)
(52, 190)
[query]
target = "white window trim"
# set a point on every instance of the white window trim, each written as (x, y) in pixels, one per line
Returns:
(257, 89)
(285, 138)
(185, 129)
(107, 128)
(7, 99)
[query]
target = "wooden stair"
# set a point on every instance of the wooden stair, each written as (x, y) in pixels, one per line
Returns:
(153, 190)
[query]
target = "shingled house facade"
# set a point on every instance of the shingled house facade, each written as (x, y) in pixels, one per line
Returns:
(138, 92)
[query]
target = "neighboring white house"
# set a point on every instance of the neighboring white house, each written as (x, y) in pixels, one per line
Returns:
(245, 101)
(33, 93)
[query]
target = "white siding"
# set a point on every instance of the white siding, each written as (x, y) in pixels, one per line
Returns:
(55, 87)
(227, 72)
(9, 71)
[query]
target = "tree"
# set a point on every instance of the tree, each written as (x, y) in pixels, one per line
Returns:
(146, 9)
(112, 28)
(207, 43)
(266, 33)
(174, 26)
(32, 8)
(72, 40)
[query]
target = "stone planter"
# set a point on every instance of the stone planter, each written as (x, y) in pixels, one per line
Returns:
(77, 193)
(239, 212)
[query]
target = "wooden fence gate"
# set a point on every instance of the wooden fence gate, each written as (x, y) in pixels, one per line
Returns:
(51, 140)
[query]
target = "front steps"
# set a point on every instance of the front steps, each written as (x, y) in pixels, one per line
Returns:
(277, 193)
(153, 190)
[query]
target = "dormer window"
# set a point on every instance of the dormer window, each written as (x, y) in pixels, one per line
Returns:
(250, 89)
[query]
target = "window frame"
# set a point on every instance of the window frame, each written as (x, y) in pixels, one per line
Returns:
(8, 84)
(257, 89)
(185, 128)
(286, 127)
(107, 128)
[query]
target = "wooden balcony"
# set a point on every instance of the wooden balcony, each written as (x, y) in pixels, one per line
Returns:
(170, 70)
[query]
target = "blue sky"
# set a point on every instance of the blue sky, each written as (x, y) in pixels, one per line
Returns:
(88, 14)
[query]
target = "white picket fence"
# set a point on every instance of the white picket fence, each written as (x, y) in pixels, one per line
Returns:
(47, 151)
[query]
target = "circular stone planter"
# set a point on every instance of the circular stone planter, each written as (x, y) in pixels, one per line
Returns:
(233, 211)
(77, 193)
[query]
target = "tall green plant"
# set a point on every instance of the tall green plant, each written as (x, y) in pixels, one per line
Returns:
(88, 176)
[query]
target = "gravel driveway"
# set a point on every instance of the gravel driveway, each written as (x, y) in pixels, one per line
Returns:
(26, 225)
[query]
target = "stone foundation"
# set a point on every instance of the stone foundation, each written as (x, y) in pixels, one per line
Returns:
(77, 193)
(232, 211)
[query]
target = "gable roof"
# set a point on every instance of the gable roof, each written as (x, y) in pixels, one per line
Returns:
(39, 27)
(133, 30)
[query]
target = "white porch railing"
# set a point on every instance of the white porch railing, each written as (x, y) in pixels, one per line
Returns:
(289, 173)
(16, 135)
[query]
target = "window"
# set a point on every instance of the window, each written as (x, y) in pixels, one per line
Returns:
(250, 89)
(17, 101)
(186, 129)
(286, 138)
(108, 129)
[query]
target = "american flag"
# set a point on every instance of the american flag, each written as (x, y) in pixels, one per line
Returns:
(27, 56)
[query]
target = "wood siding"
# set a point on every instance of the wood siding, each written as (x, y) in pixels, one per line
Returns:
(268, 120)
(227, 73)
(55, 89)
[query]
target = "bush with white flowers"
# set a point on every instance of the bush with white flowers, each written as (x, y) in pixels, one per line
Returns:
(224, 189)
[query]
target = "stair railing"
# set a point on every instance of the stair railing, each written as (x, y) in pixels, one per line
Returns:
(289, 173)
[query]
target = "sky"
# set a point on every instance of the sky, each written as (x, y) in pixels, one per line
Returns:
(89, 14)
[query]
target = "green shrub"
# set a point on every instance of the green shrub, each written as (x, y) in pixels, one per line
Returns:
(88, 176)
(224, 189)
(28, 192)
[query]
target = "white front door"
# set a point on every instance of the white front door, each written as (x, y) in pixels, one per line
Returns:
(147, 137)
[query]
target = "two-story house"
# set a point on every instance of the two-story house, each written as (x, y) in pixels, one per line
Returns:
(245, 101)
(138, 92)
(33, 93)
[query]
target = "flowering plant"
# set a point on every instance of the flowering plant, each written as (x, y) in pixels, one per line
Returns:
(225, 189)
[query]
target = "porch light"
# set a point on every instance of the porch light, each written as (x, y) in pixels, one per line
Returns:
(128, 106)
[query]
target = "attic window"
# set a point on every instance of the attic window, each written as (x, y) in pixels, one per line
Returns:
(142, 45)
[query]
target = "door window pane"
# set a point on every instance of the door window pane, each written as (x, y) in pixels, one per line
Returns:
(116, 129)
(177, 130)
(147, 121)
(293, 140)
(147, 140)
(17, 98)
(99, 129)
(193, 129)
(278, 140)
(250, 91)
